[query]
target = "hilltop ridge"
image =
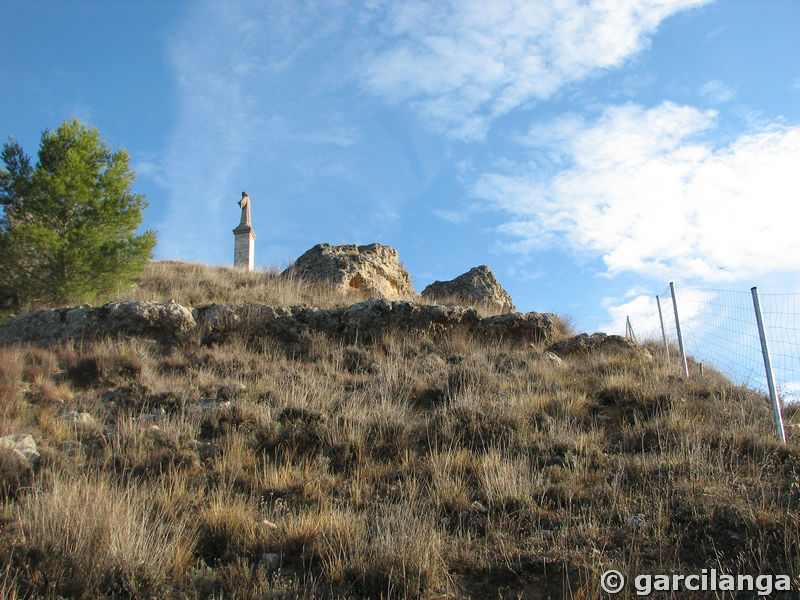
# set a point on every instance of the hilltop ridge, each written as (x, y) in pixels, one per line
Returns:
(302, 459)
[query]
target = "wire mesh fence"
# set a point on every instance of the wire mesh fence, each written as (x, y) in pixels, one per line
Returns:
(720, 329)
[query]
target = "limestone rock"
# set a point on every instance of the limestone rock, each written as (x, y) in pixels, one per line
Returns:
(18, 456)
(368, 319)
(79, 418)
(521, 327)
(476, 286)
(214, 323)
(584, 344)
(159, 319)
(373, 269)
(21, 445)
(553, 358)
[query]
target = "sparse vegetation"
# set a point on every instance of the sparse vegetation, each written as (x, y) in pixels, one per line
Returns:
(422, 465)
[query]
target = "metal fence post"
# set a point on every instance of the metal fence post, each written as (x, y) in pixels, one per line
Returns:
(678, 328)
(629, 330)
(773, 391)
(663, 333)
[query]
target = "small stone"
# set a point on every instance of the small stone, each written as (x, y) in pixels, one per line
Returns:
(21, 445)
(157, 415)
(553, 358)
(228, 392)
(477, 507)
(271, 560)
(637, 521)
(78, 418)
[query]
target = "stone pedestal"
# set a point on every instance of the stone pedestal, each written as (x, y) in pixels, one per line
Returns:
(244, 247)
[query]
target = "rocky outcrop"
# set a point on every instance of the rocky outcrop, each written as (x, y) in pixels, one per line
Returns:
(584, 344)
(370, 319)
(373, 269)
(170, 322)
(476, 286)
(162, 320)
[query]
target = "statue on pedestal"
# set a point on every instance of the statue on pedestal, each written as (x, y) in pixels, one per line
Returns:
(244, 204)
(244, 238)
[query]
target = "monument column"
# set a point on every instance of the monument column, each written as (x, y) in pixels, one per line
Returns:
(244, 238)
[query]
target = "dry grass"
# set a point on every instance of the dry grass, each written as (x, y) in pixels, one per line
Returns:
(196, 285)
(87, 532)
(415, 466)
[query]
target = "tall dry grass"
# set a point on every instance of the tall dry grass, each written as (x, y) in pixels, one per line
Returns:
(89, 533)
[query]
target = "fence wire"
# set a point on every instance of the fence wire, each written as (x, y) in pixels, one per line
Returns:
(719, 328)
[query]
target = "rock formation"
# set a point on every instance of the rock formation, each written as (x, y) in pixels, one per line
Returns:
(373, 269)
(171, 322)
(476, 286)
(161, 320)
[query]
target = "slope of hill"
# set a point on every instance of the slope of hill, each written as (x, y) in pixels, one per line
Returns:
(423, 464)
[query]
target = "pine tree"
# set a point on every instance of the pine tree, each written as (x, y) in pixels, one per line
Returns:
(68, 230)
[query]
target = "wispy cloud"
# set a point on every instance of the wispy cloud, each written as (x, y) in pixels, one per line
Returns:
(717, 92)
(463, 63)
(255, 85)
(648, 195)
(215, 128)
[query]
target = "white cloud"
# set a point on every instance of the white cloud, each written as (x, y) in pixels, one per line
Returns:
(641, 310)
(465, 62)
(641, 307)
(648, 196)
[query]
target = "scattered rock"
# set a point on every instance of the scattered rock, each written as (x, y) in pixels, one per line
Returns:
(477, 507)
(584, 344)
(157, 415)
(231, 390)
(78, 418)
(21, 445)
(206, 405)
(373, 269)
(552, 358)
(637, 521)
(476, 286)
(271, 560)
(18, 457)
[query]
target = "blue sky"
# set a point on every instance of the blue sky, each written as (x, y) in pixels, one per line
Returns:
(589, 152)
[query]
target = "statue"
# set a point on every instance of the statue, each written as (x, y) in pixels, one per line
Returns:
(244, 204)
(244, 237)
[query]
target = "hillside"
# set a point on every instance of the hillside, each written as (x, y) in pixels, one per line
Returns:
(424, 463)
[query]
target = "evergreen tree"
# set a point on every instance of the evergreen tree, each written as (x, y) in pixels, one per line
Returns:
(68, 230)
